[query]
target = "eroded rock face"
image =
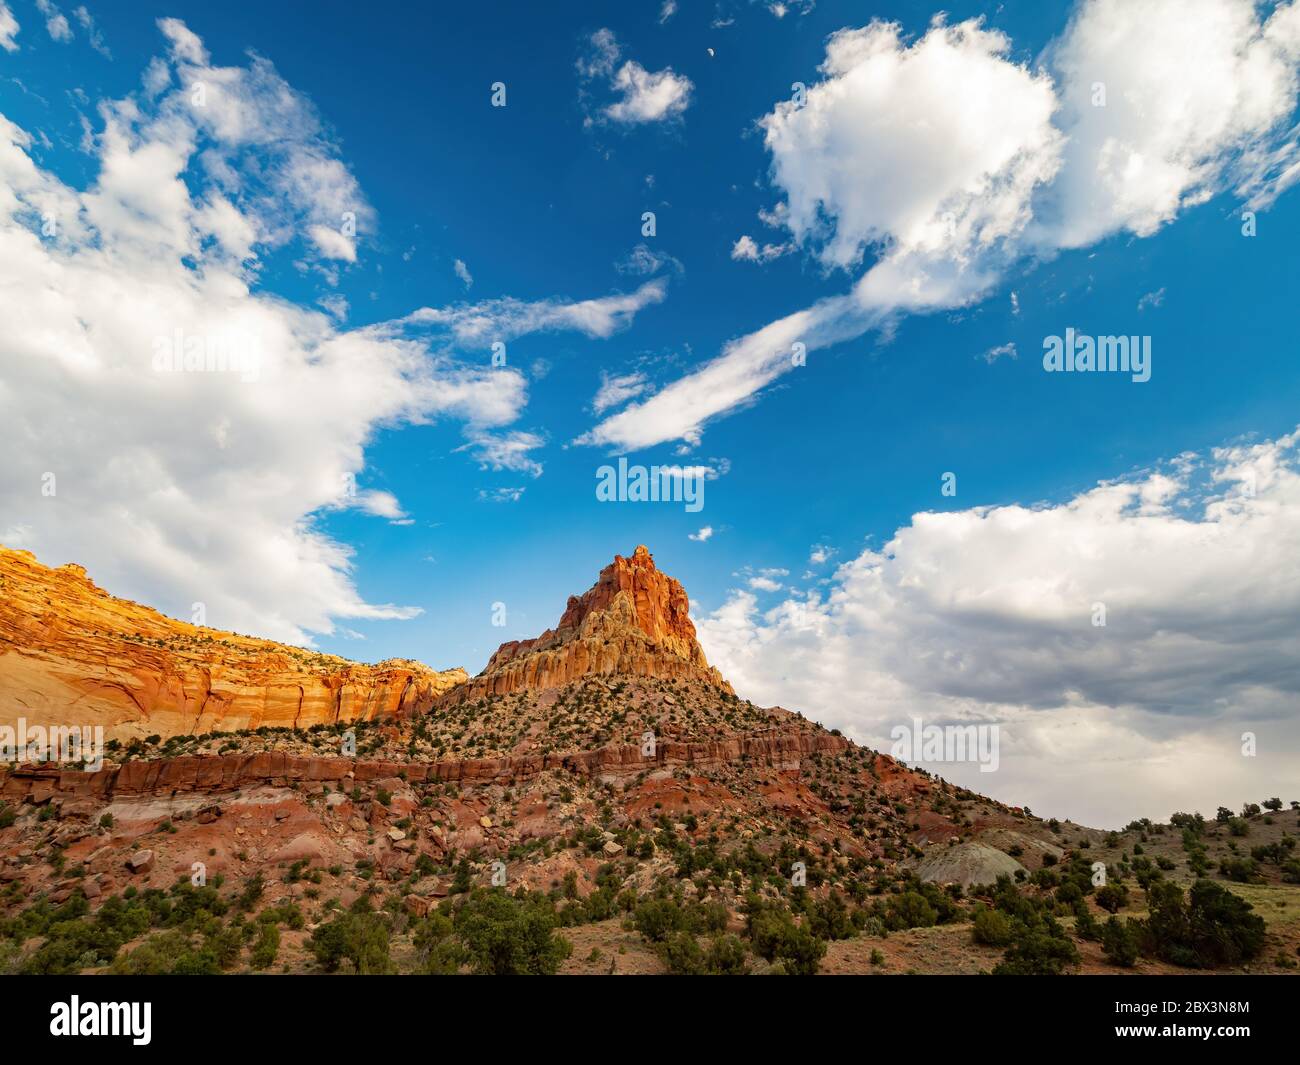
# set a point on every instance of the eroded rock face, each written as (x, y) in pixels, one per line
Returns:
(73, 655)
(783, 749)
(966, 864)
(634, 620)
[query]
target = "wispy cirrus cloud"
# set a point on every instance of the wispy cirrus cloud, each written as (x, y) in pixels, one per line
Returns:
(618, 389)
(93, 33)
(501, 495)
(503, 319)
(506, 450)
(929, 167)
(1000, 351)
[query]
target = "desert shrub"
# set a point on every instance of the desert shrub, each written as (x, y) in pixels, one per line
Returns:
(992, 928)
(1038, 949)
(1085, 924)
(1120, 943)
(726, 957)
(267, 946)
(71, 946)
(463, 880)
(911, 909)
(1211, 927)
(1112, 897)
(287, 914)
(253, 888)
(438, 951)
(708, 917)
(1241, 870)
(226, 944)
(657, 919)
(360, 939)
(1069, 893)
(1276, 853)
(682, 954)
(776, 937)
(504, 935)
(829, 918)
(170, 953)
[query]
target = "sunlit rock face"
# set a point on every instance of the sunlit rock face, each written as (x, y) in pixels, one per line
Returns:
(71, 655)
(634, 620)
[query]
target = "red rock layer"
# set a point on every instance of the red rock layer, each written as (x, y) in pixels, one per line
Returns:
(73, 655)
(635, 620)
(780, 748)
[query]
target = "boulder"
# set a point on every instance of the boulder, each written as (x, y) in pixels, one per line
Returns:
(417, 906)
(141, 861)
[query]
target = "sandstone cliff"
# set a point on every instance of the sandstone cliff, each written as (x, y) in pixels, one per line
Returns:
(783, 749)
(71, 654)
(634, 620)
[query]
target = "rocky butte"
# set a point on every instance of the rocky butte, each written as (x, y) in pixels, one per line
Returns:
(69, 650)
(70, 653)
(537, 769)
(634, 621)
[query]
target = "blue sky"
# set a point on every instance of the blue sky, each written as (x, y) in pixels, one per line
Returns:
(541, 202)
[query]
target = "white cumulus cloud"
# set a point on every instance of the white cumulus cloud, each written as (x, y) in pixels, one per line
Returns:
(643, 96)
(8, 28)
(56, 23)
(989, 616)
(1160, 99)
(174, 427)
(928, 168)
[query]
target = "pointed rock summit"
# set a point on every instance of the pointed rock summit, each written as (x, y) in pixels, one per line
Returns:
(634, 620)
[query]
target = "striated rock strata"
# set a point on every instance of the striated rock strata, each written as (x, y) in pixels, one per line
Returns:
(73, 655)
(783, 749)
(634, 620)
